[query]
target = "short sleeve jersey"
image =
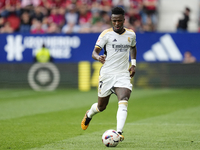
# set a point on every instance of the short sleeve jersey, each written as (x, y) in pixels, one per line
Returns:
(117, 49)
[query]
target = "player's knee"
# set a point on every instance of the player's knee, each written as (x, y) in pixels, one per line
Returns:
(124, 98)
(101, 107)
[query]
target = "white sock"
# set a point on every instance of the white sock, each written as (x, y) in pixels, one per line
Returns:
(121, 114)
(93, 110)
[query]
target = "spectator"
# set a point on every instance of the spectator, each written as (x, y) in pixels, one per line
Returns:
(84, 19)
(1, 23)
(188, 58)
(14, 21)
(95, 17)
(57, 16)
(125, 4)
(106, 5)
(80, 3)
(25, 25)
(36, 27)
(133, 15)
(138, 4)
(45, 23)
(138, 27)
(182, 25)
(11, 7)
(95, 7)
(97, 27)
(71, 19)
(11, 13)
(56, 3)
(2, 5)
(96, 22)
(37, 13)
(106, 20)
(127, 23)
(27, 3)
(148, 26)
(69, 2)
(149, 12)
(53, 28)
(7, 28)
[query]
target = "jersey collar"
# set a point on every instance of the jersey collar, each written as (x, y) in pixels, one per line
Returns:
(120, 33)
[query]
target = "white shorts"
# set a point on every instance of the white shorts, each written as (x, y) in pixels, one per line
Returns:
(107, 82)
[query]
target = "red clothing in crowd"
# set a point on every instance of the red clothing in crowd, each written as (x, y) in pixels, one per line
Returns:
(150, 4)
(2, 4)
(56, 3)
(14, 21)
(13, 2)
(85, 18)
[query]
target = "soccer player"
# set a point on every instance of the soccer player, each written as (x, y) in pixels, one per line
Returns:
(115, 73)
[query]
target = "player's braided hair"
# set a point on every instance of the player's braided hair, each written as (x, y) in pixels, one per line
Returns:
(117, 11)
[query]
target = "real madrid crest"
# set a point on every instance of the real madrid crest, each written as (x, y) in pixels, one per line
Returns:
(129, 39)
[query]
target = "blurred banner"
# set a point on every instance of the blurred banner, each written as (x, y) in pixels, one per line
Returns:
(84, 75)
(152, 47)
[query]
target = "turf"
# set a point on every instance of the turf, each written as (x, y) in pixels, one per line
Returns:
(157, 119)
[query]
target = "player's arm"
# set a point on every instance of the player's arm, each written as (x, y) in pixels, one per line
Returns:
(96, 56)
(133, 53)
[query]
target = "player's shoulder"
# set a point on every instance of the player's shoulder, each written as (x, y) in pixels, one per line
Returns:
(106, 31)
(130, 31)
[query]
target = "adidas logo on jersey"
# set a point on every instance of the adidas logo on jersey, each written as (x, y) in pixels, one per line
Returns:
(114, 40)
(164, 50)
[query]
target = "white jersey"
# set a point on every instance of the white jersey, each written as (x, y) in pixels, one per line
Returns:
(117, 49)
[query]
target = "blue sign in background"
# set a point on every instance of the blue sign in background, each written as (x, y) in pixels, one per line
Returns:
(184, 42)
(79, 47)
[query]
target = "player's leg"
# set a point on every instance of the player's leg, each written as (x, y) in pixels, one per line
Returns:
(98, 107)
(104, 92)
(95, 108)
(123, 95)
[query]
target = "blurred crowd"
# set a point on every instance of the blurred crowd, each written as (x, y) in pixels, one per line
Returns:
(74, 16)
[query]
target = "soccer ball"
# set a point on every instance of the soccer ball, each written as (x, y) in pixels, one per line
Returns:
(110, 138)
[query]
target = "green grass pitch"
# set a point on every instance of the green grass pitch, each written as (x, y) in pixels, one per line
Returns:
(158, 119)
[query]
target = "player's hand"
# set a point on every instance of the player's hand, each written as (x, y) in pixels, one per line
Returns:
(132, 71)
(102, 59)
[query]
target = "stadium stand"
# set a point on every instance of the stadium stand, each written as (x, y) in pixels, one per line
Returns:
(92, 16)
(72, 16)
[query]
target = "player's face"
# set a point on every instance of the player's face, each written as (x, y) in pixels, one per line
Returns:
(118, 23)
